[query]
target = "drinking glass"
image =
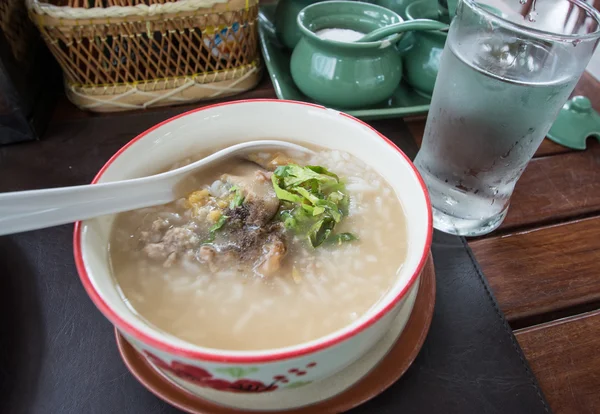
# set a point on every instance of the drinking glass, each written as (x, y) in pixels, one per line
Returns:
(504, 75)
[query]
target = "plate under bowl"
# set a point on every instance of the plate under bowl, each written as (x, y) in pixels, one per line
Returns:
(356, 384)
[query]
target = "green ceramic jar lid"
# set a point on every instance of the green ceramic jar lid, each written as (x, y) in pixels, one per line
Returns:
(576, 121)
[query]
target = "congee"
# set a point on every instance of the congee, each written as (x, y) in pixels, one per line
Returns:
(268, 251)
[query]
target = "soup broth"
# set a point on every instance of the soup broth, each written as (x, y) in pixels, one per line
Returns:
(232, 266)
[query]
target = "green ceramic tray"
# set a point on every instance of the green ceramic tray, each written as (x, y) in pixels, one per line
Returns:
(404, 102)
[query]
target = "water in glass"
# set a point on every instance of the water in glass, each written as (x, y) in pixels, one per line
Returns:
(495, 99)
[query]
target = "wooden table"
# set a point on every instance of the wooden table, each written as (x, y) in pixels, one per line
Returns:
(543, 263)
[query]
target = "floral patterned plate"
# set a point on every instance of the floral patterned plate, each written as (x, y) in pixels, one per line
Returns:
(356, 384)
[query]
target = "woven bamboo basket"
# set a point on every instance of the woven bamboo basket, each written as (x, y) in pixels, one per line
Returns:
(120, 55)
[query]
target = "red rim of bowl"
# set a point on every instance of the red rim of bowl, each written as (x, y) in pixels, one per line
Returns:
(224, 357)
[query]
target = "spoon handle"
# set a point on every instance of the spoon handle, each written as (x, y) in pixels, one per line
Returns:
(36, 209)
(418, 24)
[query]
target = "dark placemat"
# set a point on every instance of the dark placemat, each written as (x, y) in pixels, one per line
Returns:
(58, 353)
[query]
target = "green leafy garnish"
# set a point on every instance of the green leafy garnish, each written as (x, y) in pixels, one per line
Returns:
(314, 201)
(289, 221)
(342, 238)
(215, 227)
(320, 231)
(220, 223)
(284, 195)
(238, 199)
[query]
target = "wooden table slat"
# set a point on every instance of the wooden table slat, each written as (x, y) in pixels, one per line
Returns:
(543, 271)
(564, 356)
(555, 188)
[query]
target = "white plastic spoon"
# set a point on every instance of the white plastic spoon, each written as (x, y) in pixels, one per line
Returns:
(36, 209)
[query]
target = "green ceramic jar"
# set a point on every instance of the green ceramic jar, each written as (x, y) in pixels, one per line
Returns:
(286, 17)
(422, 50)
(346, 74)
(422, 59)
(398, 6)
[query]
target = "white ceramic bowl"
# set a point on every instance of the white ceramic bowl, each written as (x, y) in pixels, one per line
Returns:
(269, 370)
